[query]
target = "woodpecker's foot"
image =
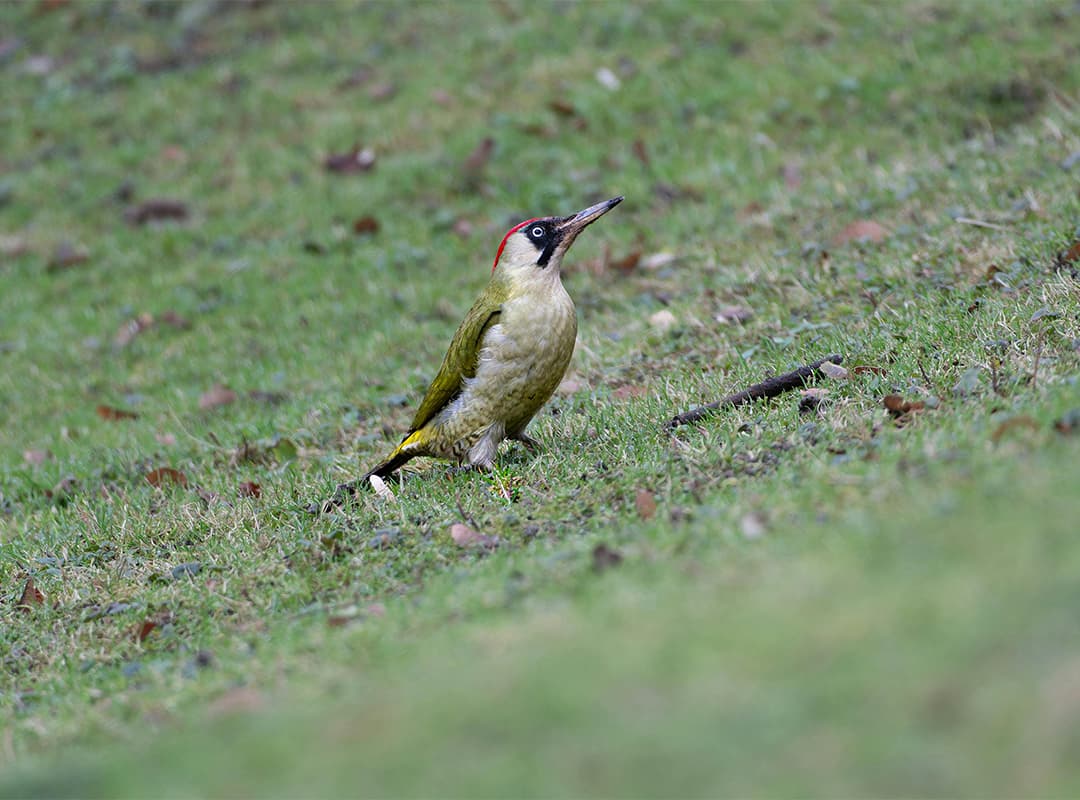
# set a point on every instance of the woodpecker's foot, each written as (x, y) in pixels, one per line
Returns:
(534, 447)
(458, 469)
(344, 494)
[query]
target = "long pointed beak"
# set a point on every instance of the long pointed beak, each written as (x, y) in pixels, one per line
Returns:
(575, 224)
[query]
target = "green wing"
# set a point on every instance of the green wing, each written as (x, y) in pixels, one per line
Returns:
(461, 359)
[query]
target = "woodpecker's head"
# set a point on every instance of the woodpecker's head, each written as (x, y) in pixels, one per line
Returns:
(541, 243)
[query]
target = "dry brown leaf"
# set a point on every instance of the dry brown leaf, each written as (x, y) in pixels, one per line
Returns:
(536, 129)
(792, 175)
(36, 457)
(628, 262)
(729, 314)
(893, 403)
(115, 414)
(604, 557)
(645, 504)
(563, 108)
(132, 328)
(64, 487)
(464, 536)
(344, 617)
(810, 399)
(358, 77)
(382, 92)
(1072, 255)
(67, 255)
(163, 476)
(627, 391)
(834, 371)
(1069, 422)
(174, 320)
(862, 369)
(570, 386)
(159, 208)
(145, 629)
(352, 162)
(863, 230)
(216, 397)
(750, 211)
(250, 489)
(365, 225)
(31, 596)
(47, 6)
(479, 157)
(640, 153)
(175, 153)
(901, 409)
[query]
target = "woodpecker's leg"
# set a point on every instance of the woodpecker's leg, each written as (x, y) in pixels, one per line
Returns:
(458, 469)
(534, 447)
(482, 453)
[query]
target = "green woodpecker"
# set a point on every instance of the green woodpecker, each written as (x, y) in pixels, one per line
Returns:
(509, 354)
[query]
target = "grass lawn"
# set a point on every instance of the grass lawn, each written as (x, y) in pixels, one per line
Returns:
(235, 240)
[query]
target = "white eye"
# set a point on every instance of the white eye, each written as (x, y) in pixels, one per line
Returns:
(537, 232)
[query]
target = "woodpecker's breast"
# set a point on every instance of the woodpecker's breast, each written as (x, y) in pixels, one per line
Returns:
(523, 359)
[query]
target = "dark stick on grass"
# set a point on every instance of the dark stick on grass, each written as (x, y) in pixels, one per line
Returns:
(772, 387)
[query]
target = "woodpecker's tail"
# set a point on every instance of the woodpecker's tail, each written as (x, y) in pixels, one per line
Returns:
(345, 492)
(411, 446)
(396, 460)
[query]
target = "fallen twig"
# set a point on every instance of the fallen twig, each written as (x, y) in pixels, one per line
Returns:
(772, 387)
(980, 223)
